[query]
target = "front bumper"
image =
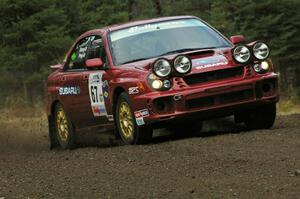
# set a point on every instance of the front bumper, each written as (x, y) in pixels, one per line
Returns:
(206, 101)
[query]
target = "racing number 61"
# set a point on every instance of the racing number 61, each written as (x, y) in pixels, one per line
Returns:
(94, 94)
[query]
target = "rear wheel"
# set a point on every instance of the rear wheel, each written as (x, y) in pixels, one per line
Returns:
(128, 129)
(64, 130)
(262, 117)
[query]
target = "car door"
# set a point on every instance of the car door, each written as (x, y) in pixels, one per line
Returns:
(97, 82)
(88, 106)
(74, 92)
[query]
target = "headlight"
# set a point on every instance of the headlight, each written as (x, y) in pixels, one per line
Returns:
(162, 68)
(261, 51)
(261, 67)
(182, 64)
(241, 54)
(159, 84)
(167, 84)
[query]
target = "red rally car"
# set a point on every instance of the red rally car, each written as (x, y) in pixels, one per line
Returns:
(171, 71)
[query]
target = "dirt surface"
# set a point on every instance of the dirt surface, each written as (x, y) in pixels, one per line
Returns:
(223, 161)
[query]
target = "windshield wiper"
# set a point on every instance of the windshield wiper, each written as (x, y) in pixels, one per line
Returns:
(185, 50)
(134, 60)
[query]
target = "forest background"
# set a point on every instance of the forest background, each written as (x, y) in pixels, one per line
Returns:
(35, 34)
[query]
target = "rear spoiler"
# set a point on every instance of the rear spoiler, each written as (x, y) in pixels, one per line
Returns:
(56, 67)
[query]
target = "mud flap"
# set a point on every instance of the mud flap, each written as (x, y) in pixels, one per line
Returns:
(52, 137)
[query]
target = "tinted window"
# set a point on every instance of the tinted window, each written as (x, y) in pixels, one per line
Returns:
(96, 49)
(79, 54)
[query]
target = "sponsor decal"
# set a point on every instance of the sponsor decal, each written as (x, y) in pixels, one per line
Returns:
(140, 121)
(82, 52)
(96, 78)
(141, 113)
(110, 118)
(105, 84)
(101, 97)
(105, 94)
(92, 38)
(133, 90)
(145, 112)
(142, 28)
(139, 116)
(105, 89)
(208, 62)
(103, 110)
(73, 57)
(96, 94)
(98, 110)
(211, 65)
(71, 90)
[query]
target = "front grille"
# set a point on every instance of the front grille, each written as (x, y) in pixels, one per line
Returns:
(200, 102)
(214, 75)
(236, 96)
(204, 102)
(248, 71)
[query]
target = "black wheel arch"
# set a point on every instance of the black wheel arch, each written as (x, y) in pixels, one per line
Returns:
(51, 126)
(116, 93)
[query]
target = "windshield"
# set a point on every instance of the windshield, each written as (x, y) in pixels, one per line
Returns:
(158, 39)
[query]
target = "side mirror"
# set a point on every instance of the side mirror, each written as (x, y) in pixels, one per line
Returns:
(237, 39)
(94, 63)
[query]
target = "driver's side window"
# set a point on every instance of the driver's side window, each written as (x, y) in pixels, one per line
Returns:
(96, 49)
(78, 55)
(88, 48)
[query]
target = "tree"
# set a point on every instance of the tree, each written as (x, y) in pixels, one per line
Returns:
(35, 34)
(275, 22)
(157, 7)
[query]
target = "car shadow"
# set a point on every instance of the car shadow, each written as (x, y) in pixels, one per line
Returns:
(94, 139)
(210, 128)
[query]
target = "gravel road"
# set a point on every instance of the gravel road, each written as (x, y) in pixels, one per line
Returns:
(224, 161)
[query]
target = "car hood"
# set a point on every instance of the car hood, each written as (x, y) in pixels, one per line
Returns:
(202, 60)
(212, 60)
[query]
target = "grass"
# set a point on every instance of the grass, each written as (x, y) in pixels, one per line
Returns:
(288, 107)
(285, 107)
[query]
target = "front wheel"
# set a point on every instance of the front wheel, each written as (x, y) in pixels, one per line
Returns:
(262, 117)
(128, 129)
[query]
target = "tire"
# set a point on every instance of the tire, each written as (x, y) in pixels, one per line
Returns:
(64, 130)
(129, 131)
(262, 117)
(187, 128)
